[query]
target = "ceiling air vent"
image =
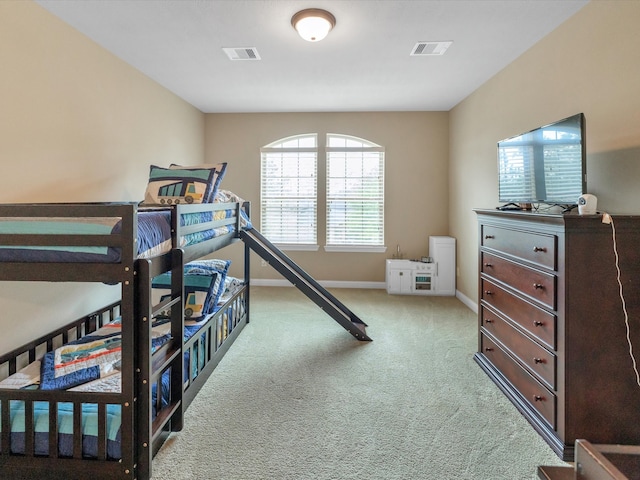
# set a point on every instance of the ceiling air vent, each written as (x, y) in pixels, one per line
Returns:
(242, 53)
(430, 48)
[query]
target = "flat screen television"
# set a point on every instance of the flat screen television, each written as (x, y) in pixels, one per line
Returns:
(546, 165)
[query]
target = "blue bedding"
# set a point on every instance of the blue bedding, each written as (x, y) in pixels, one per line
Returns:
(89, 358)
(154, 236)
(65, 429)
(89, 417)
(89, 410)
(154, 229)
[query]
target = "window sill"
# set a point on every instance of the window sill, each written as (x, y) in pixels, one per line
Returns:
(293, 247)
(355, 248)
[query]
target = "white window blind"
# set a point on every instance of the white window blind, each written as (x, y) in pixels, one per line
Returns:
(288, 193)
(355, 192)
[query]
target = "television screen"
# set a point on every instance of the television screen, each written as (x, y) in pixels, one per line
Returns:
(545, 165)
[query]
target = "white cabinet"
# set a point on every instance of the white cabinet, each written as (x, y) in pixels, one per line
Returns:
(443, 251)
(409, 277)
(398, 276)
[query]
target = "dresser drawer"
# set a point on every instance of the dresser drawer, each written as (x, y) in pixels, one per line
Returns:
(532, 391)
(538, 322)
(536, 285)
(536, 248)
(536, 358)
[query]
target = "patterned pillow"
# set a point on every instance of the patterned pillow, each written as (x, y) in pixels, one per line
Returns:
(200, 292)
(181, 185)
(203, 285)
(226, 196)
(220, 170)
(214, 264)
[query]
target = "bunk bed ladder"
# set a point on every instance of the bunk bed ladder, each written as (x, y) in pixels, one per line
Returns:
(305, 283)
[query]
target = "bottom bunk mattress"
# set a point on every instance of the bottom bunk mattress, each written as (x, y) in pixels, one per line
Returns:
(91, 365)
(65, 421)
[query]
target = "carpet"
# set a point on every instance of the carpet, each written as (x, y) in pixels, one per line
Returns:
(297, 397)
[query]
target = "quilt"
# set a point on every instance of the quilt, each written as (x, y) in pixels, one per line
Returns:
(89, 358)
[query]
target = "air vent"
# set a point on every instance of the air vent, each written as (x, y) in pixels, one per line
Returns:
(430, 48)
(242, 53)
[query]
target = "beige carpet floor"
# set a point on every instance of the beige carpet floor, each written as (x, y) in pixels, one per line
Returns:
(297, 397)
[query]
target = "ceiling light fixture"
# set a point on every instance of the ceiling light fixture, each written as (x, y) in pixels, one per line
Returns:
(313, 24)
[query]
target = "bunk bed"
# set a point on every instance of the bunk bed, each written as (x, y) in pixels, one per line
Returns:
(106, 428)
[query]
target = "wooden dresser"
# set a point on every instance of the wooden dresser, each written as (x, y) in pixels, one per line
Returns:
(552, 331)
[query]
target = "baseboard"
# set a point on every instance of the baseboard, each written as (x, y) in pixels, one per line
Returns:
(275, 282)
(473, 306)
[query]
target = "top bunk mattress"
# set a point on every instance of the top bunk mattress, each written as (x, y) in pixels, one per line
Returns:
(91, 239)
(153, 238)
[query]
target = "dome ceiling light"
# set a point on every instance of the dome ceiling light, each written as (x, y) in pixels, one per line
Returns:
(313, 24)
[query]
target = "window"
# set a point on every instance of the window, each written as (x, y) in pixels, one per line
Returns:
(288, 192)
(354, 193)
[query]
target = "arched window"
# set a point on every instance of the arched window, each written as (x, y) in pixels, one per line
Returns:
(354, 193)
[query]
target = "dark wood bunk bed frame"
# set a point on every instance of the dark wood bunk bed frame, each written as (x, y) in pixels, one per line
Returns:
(144, 425)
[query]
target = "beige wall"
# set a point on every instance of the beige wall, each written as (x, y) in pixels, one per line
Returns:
(416, 172)
(589, 64)
(76, 124)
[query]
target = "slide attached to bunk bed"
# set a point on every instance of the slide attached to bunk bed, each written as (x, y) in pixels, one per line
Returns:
(305, 283)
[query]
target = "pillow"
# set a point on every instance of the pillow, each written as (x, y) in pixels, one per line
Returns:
(203, 285)
(231, 286)
(225, 196)
(210, 267)
(213, 264)
(180, 185)
(200, 292)
(220, 170)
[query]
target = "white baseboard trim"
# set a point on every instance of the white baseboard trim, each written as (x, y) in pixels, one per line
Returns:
(274, 282)
(280, 282)
(467, 301)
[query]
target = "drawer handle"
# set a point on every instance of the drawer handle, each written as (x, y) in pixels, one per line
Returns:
(488, 292)
(488, 265)
(538, 360)
(488, 320)
(539, 249)
(489, 237)
(538, 286)
(488, 349)
(538, 323)
(538, 398)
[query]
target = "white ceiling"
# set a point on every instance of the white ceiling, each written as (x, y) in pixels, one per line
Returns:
(363, 64)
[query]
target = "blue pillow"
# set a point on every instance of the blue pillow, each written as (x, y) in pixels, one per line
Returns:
(199, 292)
(203, 286)
(213, 264)
(210, 267)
